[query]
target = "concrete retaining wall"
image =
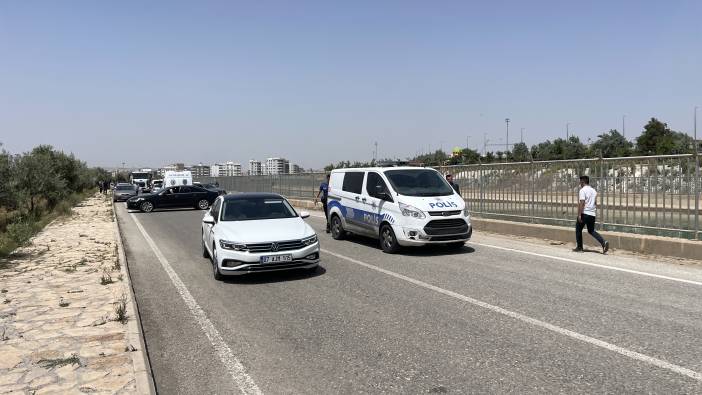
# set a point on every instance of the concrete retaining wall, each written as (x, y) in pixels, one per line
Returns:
(650, 245)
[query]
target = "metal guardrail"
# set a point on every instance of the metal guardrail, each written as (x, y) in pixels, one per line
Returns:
(653, 195)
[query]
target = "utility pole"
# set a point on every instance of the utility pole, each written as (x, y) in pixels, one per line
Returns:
(697, 180)
(507, 140)
(624, 125)
(375, 153)
(521, 135)
(485, 142)
(567, 131)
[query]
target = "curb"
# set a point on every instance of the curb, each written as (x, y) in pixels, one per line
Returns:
(135, 334)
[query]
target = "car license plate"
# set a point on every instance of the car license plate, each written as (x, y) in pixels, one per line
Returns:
(276, 258)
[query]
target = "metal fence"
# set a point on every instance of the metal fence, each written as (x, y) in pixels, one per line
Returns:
(654, 195)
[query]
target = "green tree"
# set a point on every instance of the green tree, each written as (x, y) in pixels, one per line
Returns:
(35, 177)
(612, 144)
(658, 139)
(520, 153)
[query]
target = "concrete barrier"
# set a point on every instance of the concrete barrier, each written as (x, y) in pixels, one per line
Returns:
(650, 245)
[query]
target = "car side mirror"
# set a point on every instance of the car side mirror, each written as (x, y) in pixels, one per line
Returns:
(304, 214)
(208, 219)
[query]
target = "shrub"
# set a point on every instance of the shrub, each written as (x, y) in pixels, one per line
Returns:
(20, 232)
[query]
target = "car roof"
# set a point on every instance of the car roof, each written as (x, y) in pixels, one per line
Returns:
(380, 169)
(252, 195)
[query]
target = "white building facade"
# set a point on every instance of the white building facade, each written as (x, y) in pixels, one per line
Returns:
(255, 168)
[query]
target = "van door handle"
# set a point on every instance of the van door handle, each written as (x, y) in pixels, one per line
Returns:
(364, 200)
(357, 198)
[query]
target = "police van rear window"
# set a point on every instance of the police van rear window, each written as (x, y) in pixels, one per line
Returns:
(353, 182)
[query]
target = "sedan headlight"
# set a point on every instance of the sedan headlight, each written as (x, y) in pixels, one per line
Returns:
(411, 211)
(308, 241)
(232, 245)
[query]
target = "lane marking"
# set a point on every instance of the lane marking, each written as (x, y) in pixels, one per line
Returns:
(569, 260)
(619, 269)
(533, 321)
(226, 356)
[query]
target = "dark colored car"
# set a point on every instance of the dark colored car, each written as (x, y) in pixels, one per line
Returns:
(174, 197)
(123, 192)
(212, 187)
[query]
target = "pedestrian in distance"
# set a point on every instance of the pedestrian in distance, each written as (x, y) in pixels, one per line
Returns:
(100, 185)
(322, 195)
(455, 187)
(587, 214)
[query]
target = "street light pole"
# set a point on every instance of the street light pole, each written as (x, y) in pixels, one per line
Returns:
(521, 135)
(624, 125)
(507, 140)
(567, 131)
(697, 179)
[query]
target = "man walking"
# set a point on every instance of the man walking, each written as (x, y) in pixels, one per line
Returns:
(324, 193)
(449, 178)
(587, 198)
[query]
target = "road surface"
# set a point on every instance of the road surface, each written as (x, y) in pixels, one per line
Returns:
(502, 315)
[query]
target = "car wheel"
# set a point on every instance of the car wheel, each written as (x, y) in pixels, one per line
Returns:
(388, 241)
(215, 268)
(337, 228)
(456, 246)
(203, 204)
(147, 207)
(205, 254)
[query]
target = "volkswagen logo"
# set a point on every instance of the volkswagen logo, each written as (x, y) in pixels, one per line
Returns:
(274, 247)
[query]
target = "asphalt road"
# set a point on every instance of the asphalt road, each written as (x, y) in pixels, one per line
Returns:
(501, 316)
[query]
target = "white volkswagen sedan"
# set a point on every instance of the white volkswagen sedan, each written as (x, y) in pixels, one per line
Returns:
(257, 232)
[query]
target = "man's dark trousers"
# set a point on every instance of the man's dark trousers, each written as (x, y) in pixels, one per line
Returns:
(589, 221)
(326, 212)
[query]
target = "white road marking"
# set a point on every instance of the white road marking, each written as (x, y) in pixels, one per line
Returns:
(619, 269)
(569, 260)
(225, 354)
(533, 321)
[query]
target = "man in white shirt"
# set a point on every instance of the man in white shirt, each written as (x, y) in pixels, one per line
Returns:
(587, 211)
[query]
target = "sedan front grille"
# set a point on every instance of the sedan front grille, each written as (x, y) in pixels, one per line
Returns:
(282, 246)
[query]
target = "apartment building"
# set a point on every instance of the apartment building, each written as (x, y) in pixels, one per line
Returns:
(277, 166)
(255, 168)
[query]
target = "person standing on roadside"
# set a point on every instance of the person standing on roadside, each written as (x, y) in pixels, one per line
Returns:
(455, 187)
(587, 213)
(322, 195)
(100, 185)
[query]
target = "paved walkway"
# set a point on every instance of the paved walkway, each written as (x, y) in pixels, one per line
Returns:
(58, 321)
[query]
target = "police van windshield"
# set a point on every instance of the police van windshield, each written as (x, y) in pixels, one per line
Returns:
(418, 182)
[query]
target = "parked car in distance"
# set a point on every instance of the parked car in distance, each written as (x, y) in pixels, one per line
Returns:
(123, 192)
(257, 232)
(174, 197)
(214, 187)
(156, 185)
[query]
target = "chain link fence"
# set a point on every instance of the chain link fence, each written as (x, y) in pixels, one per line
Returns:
(656, 195)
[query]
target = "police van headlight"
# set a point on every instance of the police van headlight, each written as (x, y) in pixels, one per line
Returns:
(411, 211)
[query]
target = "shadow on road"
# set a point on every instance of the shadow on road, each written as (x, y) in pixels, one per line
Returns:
(429, 250)
(275, 277)
(163, 210)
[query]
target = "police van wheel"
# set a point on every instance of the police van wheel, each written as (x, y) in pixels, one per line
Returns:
(337, 228)
(388, 241)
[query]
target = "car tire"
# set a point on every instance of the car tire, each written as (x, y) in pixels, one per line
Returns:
(205, 254)
(215, 269)
(146, 207)
(456, 246)
(337, 228)
(203, 204)
(388, 241)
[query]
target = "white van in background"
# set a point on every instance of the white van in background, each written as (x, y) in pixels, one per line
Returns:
(174, 178)
(400, 206)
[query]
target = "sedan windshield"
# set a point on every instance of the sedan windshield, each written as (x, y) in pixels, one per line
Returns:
(256, 208)
(419, 182)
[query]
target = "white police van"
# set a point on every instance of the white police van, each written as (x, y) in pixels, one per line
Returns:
(401, 206)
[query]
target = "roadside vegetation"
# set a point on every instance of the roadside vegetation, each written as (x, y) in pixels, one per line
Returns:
(655, 139)
(37, 187)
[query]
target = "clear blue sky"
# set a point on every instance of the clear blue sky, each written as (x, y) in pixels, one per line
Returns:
(149, 83)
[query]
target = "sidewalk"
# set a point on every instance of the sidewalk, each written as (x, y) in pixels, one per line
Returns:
(63, 328)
